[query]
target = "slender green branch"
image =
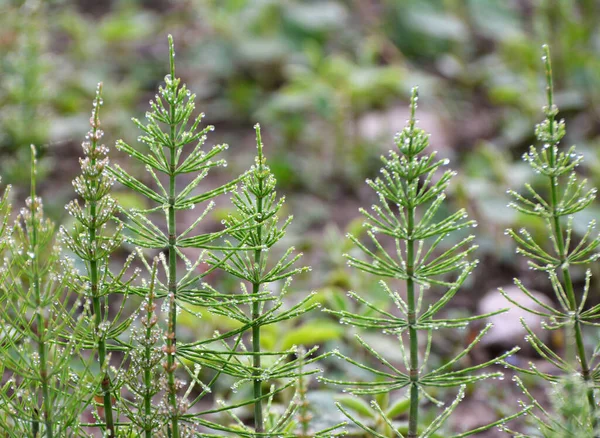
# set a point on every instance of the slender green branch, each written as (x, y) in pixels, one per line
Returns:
(413, 419)
(150, 323)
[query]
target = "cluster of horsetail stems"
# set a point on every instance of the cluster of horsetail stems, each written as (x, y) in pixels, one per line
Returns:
(70, 346)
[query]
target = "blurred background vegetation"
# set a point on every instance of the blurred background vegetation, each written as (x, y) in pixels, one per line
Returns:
(328, 80)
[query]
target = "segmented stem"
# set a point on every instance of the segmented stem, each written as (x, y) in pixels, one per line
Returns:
(256, 358)
(304, 416)
(94, 279)
(413, 417)
(150, 322)
(172, 324)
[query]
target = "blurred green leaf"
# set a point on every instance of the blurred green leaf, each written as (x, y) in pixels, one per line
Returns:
(312, 332)
(398, 408)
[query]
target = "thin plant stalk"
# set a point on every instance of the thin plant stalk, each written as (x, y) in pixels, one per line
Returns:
(94, 272)
(174, 147)
(255, 226)
(413, 417)
(172, 322)
(304, 416)
(41, 323)
(149, 322)
(39, 327)
(256, 360)
(91, 242)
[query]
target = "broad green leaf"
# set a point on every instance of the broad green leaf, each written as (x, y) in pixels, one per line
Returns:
(313, 332)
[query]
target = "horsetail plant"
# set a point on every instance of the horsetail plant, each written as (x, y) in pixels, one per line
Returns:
(257, 200)
(410, 193)
(174, 148)
(43, 396)
(92, 242)
(565, 196)
(257, 231)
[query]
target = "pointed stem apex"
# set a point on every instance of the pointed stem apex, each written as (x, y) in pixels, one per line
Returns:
(549, 83)
(414, 97)
(172, 56)
(259, 144)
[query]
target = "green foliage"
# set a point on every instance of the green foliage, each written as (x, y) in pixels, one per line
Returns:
(564, 196)
(144, 374)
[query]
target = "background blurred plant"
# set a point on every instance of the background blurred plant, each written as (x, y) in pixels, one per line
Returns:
(24, 93)
(570, 414)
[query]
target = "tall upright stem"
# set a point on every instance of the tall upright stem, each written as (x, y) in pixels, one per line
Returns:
(585, 369)
(94, 284)
(41, 322)
(147, 384)
(413, 418)
(256, 362)
(172, 324)
(563, 253)
(304, 416)
(150, 322)
(105, 384)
